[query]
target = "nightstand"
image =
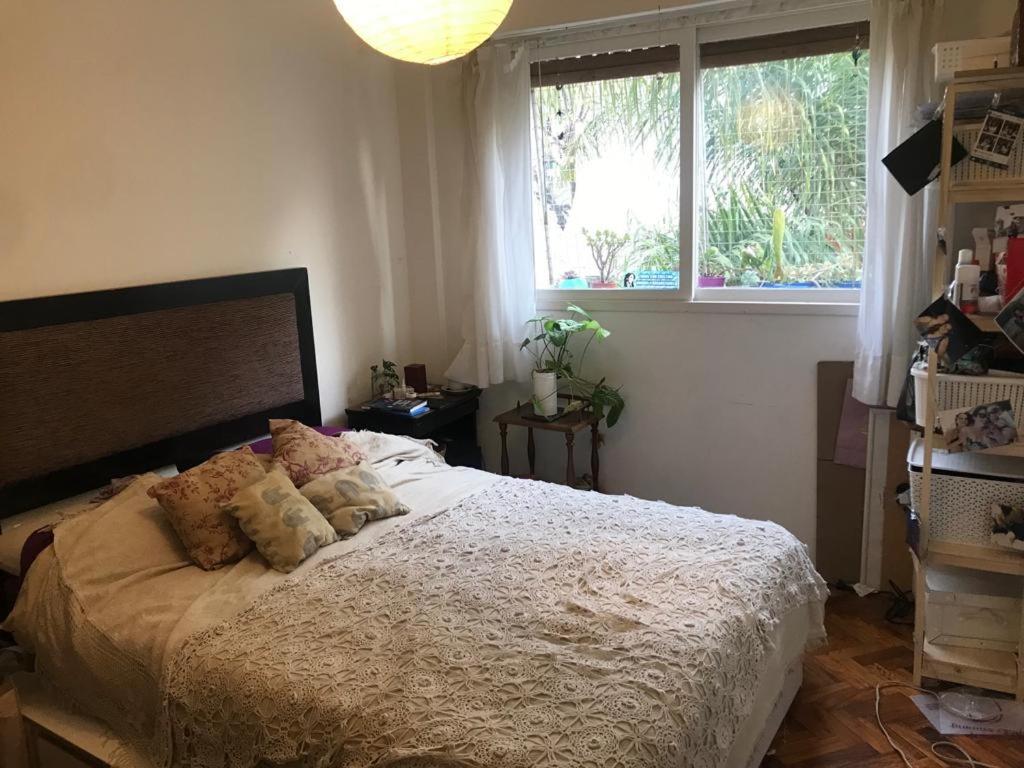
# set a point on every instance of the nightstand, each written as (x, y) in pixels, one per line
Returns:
(450, 422)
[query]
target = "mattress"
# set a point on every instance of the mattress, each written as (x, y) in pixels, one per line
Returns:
(145, 602)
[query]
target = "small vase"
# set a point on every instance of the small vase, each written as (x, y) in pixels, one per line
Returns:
(545, 393)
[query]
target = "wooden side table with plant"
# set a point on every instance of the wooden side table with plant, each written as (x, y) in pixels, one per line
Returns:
(559, 347)
(569, 424)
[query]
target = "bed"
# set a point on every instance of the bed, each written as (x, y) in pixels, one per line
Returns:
(502, 622)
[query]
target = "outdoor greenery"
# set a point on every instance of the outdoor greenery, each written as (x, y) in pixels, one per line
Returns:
(554, 341)
(784, 190)
(784, 183)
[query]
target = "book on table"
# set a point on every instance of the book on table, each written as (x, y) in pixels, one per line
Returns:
(401, 407)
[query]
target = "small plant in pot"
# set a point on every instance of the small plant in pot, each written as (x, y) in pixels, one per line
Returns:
(605, 249)
(715, 268)
(383, 378)
(557, 369)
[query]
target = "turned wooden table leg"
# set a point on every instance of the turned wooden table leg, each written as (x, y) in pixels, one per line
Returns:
(504, 448)
(595, 459)
(531, 452)
(570, 462)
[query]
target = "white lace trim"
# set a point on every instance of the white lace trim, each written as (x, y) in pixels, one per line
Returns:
(530, 625)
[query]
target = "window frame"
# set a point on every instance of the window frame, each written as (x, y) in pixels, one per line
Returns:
(689, 297)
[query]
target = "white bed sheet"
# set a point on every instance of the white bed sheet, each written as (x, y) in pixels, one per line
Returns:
(16, 529)
(144, 593)
(181, 600)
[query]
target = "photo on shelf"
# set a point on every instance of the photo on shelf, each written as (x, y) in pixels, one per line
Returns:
(1011, 320)
(980, 428)
(948, 331)
(997, 139)
(1008, 526)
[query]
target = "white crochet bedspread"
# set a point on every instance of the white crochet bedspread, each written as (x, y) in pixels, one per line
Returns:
(531, 625)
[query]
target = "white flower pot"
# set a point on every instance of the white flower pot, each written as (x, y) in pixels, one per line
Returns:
(545, 393)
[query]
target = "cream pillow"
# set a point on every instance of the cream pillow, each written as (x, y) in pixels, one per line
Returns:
(349, 498)
(283, 525)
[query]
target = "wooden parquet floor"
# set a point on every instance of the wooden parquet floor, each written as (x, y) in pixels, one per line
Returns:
(832, 721)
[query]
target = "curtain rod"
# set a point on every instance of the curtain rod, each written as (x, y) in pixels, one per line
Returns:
(662, 19)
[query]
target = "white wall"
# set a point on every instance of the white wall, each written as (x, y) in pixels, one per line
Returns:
(721, 408)
(145, 140)
(720, 411)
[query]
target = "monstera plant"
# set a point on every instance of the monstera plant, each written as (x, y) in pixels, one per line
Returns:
(559, 348)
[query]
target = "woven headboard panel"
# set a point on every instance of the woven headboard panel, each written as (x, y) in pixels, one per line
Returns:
(115, 382)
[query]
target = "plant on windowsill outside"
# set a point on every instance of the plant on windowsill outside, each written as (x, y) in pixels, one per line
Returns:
(714, 269)
(605, 249)
(556, 368)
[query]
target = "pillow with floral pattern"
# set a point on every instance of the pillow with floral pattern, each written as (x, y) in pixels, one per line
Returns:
(192, 501)
(304, 454)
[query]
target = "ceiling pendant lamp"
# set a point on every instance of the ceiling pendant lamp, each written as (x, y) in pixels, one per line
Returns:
(424, 31)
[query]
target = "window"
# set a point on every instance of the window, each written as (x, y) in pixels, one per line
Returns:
(606, 171)
(777, 179)
(784, 201)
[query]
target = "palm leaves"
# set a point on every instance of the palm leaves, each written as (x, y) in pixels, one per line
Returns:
(784, 166)
(784, 160)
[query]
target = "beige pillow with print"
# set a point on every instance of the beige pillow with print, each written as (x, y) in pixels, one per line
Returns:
(283, 525)
(193, 500)
(352, 497)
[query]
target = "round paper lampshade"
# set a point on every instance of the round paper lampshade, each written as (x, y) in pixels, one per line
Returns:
(424, 31)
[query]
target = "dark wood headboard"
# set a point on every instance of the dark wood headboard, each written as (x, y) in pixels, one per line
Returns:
(111, 383)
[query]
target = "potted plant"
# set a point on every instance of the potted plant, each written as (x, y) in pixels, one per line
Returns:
(605, 249)
(383, 378)
(557, 369)
(713, 269)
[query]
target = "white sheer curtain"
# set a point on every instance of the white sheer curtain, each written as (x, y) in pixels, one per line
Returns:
(499, 218)
(900, 238)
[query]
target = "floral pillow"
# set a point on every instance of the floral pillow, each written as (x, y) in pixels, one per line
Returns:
(285, 527)
(192, 501)
(304, 454)
(349, 498)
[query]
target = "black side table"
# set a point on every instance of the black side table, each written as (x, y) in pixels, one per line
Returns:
(450, 422)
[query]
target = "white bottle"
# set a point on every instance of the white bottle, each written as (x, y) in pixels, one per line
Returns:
(968, 275)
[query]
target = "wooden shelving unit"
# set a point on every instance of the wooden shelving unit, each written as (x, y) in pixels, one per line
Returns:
(994, 669)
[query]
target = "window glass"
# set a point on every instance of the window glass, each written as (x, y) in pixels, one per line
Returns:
(606, 182)
(784, 202)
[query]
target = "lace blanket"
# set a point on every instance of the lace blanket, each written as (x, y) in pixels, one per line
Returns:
(530, 625)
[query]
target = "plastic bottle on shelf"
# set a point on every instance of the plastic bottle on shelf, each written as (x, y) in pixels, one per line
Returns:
(965, 283)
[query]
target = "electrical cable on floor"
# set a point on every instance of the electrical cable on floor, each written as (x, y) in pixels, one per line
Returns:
(963, 759)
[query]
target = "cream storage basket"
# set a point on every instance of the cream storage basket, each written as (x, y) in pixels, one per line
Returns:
(964, 488)
(954, 391)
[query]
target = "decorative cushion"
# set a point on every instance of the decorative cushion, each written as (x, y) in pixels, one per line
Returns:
(266, 445)
(349, 498)
(285, 527)
(304, 454)
(193, 500)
